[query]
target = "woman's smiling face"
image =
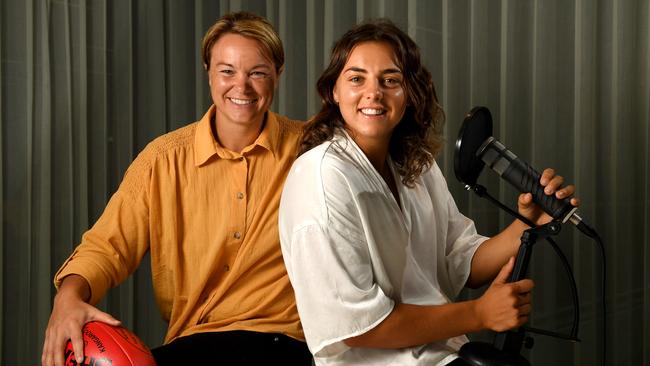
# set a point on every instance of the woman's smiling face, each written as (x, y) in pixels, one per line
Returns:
(242, 80)
(370, 93)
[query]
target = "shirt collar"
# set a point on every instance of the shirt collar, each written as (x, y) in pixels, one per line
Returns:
(206, 145)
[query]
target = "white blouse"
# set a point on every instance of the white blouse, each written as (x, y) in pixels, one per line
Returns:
(352, 253)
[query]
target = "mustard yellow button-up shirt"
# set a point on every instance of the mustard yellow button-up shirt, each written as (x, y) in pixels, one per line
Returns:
(208, 216)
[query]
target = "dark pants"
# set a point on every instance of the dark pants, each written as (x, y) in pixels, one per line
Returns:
(458, 362)
(233, 348)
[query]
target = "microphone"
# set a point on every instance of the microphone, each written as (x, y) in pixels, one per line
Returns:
(476, 147)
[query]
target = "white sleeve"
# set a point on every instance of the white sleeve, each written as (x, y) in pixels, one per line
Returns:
(461, 238)
(335, 290)
(462, 243)
(327, 256)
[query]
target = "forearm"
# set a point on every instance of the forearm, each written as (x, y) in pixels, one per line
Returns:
(493, 253)
(410, 325)
(74, 286)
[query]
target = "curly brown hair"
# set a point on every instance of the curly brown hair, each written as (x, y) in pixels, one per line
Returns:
(418, 137)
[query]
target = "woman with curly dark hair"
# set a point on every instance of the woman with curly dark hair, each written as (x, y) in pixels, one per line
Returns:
(417, 138)
(374, 245)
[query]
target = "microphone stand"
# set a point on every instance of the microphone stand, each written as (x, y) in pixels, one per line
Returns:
(505, 351)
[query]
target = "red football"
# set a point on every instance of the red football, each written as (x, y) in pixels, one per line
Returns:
(106, 345)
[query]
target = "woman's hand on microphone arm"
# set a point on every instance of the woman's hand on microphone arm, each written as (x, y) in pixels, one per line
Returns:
(505, 305)
(553, 185)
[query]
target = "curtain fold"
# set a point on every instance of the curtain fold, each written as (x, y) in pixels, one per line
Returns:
(85, 85)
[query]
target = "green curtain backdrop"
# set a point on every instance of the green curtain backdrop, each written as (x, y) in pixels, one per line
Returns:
(86, 84)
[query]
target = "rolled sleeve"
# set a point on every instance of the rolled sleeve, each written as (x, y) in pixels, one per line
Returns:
(113, 248)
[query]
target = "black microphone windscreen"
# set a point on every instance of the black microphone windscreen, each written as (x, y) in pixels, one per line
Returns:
(476, 128)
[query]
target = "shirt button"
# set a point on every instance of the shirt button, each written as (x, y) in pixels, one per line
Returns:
(226, 268)
(237, 235)
(240, 195)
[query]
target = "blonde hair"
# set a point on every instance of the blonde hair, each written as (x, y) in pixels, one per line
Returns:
(247, 25)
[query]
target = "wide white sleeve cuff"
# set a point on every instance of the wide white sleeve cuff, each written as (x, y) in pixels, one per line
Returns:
(336, 294)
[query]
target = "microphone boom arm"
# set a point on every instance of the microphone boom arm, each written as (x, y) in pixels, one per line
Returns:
(482, 192)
